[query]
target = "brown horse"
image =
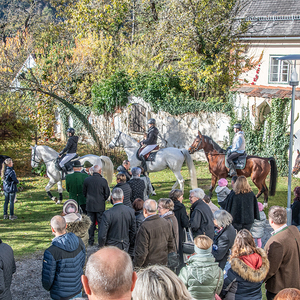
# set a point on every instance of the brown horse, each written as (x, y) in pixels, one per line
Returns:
(296, 167)
(256, 167)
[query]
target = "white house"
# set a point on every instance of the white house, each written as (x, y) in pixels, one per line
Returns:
(274, 32)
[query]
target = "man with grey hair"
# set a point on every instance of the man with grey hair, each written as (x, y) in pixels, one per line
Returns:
(63, 262)
(201, 216)
(118, 224)
(283, 250)
(96, 191)
(109, 275)
(154, 240)
(137, 185)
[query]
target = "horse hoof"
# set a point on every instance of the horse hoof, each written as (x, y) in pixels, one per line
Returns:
(265, 205)
(54, 199)
(58, 202)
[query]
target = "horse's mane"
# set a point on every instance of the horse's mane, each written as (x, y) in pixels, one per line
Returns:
(48, 149)
(215, 145)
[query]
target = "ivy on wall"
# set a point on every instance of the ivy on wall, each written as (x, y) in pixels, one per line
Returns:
(270, 137)
(162, 90)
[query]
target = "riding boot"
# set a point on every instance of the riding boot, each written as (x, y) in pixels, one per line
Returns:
(144, 164)
(232, 171)
(64, 172)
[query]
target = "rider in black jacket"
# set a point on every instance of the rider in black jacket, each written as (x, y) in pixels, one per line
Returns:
(70, 149)
(150, 142)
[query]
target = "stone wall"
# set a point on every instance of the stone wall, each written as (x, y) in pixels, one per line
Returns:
(176, 131)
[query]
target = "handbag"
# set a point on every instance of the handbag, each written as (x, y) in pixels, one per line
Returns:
(173, 257)
(188, 244)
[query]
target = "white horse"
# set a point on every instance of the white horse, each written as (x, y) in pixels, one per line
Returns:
(167, 157)
(49, 156)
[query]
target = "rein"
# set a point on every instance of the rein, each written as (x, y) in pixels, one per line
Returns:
(117, 140)
(38, 161)
(198, 148)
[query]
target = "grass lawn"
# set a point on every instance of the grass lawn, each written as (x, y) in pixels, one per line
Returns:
(31, 231)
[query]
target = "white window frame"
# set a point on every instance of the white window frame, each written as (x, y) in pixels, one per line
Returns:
(281, 65)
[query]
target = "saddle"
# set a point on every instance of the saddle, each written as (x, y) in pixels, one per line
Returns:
(239, 162)
(68, 165)
(149, 156)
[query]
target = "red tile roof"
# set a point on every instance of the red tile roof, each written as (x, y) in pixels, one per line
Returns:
(263, 91)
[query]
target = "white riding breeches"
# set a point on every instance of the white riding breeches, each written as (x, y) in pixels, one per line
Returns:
(147, 149)
(67, 158)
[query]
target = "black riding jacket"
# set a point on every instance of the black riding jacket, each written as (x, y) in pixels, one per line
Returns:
(151, 136)
(71, 146)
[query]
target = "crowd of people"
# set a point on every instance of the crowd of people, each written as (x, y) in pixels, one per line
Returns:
(141, 242)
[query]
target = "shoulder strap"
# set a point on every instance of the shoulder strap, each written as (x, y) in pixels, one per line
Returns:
(174, 235)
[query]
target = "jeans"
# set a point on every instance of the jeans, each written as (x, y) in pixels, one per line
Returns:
(9, 197)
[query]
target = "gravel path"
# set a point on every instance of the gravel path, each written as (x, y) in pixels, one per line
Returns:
(27, 283)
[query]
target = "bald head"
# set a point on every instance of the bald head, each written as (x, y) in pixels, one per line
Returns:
(97, 169)
(109, 273)
(58, 223)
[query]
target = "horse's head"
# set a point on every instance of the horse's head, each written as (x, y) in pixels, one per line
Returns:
(296, 167)
(197, 143)
(35, 160)
(115, 142)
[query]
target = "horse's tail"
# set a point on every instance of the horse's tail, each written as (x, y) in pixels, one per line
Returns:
(107, 168)
(273, 176)
(191, 167)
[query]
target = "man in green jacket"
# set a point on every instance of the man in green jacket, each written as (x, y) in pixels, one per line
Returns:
(74, 184)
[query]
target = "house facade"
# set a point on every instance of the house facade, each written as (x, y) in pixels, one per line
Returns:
(274, 32)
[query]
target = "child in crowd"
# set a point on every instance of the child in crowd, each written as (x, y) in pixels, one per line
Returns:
(258, 227)
(222, 190)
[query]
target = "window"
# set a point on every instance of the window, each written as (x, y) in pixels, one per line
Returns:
(138, 118)
(279, 70)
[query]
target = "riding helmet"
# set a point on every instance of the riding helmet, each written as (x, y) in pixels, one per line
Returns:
(71, 130)
(151, 121)
(238, 125)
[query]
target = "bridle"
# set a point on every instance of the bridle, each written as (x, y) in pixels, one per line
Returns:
(199, 145)
(33, 157)
(117, 140)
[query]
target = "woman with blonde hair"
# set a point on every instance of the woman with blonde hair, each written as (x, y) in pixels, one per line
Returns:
(202, 276)
(243, 205)
(249, 267)
(159, 282)
(10, 182)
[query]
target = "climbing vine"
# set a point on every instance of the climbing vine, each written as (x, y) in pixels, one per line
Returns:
(270, 137)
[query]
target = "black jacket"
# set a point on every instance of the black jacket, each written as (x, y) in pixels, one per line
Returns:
(243, 208)
(183, 222)
(154, 241)
(223, 204)
(71, 146)
(7, 268)
(96, 191)
(296, 213)
(10, 181)
(118, 227)
(139, 216)
(137, 186)
(201, 219)
(223, 241)
(125, 187)
(151, 136)
(121, 169)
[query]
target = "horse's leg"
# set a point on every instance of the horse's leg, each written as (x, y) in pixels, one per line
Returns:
(212, 185)
(179, 180)
(262, 188)
(60, 191)
(48, 187)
